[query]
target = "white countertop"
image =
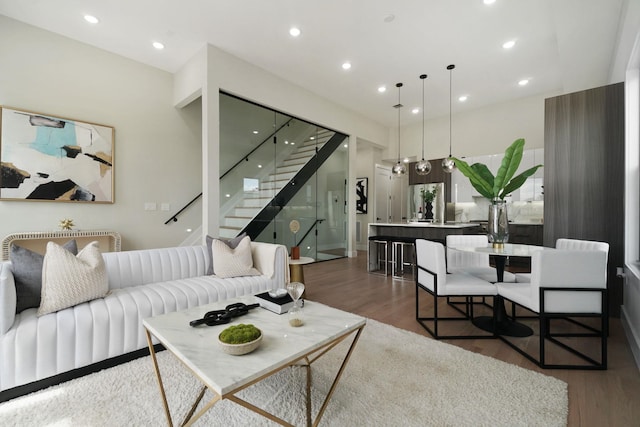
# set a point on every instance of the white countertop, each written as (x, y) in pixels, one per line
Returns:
(425, 224)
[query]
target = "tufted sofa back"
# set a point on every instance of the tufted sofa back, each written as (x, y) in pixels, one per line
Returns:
(135, 268)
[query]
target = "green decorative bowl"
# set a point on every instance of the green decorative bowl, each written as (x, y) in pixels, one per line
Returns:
(240, 349)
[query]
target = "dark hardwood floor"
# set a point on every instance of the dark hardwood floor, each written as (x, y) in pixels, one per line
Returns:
(596, 398)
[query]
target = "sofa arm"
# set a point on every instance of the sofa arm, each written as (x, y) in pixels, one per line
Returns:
(7, 297)
(271, 260)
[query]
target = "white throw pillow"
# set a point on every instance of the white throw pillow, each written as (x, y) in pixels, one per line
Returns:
(233, 262)
(68, 280)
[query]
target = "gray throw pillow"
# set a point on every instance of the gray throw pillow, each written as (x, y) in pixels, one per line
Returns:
(232, 243)
(27, 272)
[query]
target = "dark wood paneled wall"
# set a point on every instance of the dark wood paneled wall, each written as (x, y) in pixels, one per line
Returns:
(584, 173)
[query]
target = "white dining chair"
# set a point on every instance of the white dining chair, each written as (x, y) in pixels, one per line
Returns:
(565, 284)
(433, 279)
(474, 263)
(570, 244)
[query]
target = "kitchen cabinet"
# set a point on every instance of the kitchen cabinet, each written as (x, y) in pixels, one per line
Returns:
(461, 188)
(526, 234)
(437, 174)
(532, 189)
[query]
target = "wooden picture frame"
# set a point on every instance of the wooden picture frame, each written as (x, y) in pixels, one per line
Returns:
(362, 195)
(49, 158)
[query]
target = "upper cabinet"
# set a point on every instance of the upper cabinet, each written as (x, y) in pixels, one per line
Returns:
(436, 175)
(532, 189)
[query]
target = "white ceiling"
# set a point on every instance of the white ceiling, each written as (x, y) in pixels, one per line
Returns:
(562, 45)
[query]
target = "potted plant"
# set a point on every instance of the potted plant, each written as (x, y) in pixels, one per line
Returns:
(496, 188)
(428, 197)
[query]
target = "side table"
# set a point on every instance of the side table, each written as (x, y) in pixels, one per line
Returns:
(295, 269)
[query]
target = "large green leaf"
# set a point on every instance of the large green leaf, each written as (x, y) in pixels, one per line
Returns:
(477, 176)
(517, 181)
(509, 166)
(504, 182)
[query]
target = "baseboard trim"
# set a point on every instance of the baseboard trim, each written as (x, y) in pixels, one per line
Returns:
(632, 336)
(24, 389)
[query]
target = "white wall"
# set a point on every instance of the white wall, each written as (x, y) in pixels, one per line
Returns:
(488, 130)
(157, 147)
(368, 156)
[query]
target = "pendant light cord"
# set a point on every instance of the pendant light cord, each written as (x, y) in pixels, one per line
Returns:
(424, 76)
(450, 68)
(399, 85)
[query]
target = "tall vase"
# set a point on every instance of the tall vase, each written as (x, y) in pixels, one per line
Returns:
(498, 225)
(428, 210)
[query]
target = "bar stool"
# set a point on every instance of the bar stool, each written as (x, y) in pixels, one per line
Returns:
(378, 260)
(403, 255)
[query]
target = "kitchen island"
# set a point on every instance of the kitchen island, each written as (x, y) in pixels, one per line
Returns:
(386, 258)
(424, 230)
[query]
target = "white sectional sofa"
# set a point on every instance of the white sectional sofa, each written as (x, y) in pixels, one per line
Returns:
(39, 351)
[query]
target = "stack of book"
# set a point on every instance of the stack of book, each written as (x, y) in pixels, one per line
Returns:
(277, 305)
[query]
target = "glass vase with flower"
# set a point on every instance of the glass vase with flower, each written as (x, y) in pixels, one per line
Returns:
(496, 188)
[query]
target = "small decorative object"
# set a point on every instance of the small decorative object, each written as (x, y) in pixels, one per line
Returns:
(295, 290)
(428, 197)
(294, 226)
(497, 188)
(66, 224)
(420, 212)
(276, 302)
(240, 339)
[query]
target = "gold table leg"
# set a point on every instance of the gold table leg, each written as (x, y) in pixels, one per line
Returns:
(190, 419)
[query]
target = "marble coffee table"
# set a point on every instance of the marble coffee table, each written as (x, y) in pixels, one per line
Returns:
(282, 346)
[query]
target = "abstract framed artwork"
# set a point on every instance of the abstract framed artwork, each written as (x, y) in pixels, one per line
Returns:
(49, 158)
(362, 190)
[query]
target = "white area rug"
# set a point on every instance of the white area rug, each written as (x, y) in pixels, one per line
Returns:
(394, 378)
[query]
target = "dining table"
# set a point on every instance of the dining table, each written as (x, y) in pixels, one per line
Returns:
(500, 323)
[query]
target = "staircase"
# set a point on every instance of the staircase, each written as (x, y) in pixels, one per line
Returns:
(245, 208)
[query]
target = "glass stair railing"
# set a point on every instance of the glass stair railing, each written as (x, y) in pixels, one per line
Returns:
(253, 186)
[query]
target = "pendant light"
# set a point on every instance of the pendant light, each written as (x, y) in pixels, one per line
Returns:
(399, 169)
(423, 167)
(448, 165)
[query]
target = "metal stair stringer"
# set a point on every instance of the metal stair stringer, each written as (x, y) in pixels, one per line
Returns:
(284, 196)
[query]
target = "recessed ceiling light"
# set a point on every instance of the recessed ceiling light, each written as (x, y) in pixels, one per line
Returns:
(286, 142)
(259, 166)
(382, 89)
(463, 98)
(158, 45)
(227, 195)
(293, 143)
(346, 145)
(346, 65)
(405, 160)
(255, 132)
(523, 82)
(312, 138)
(415, 110)
(509, 44)
(91, 19)
(294, 31)
(489, 1)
